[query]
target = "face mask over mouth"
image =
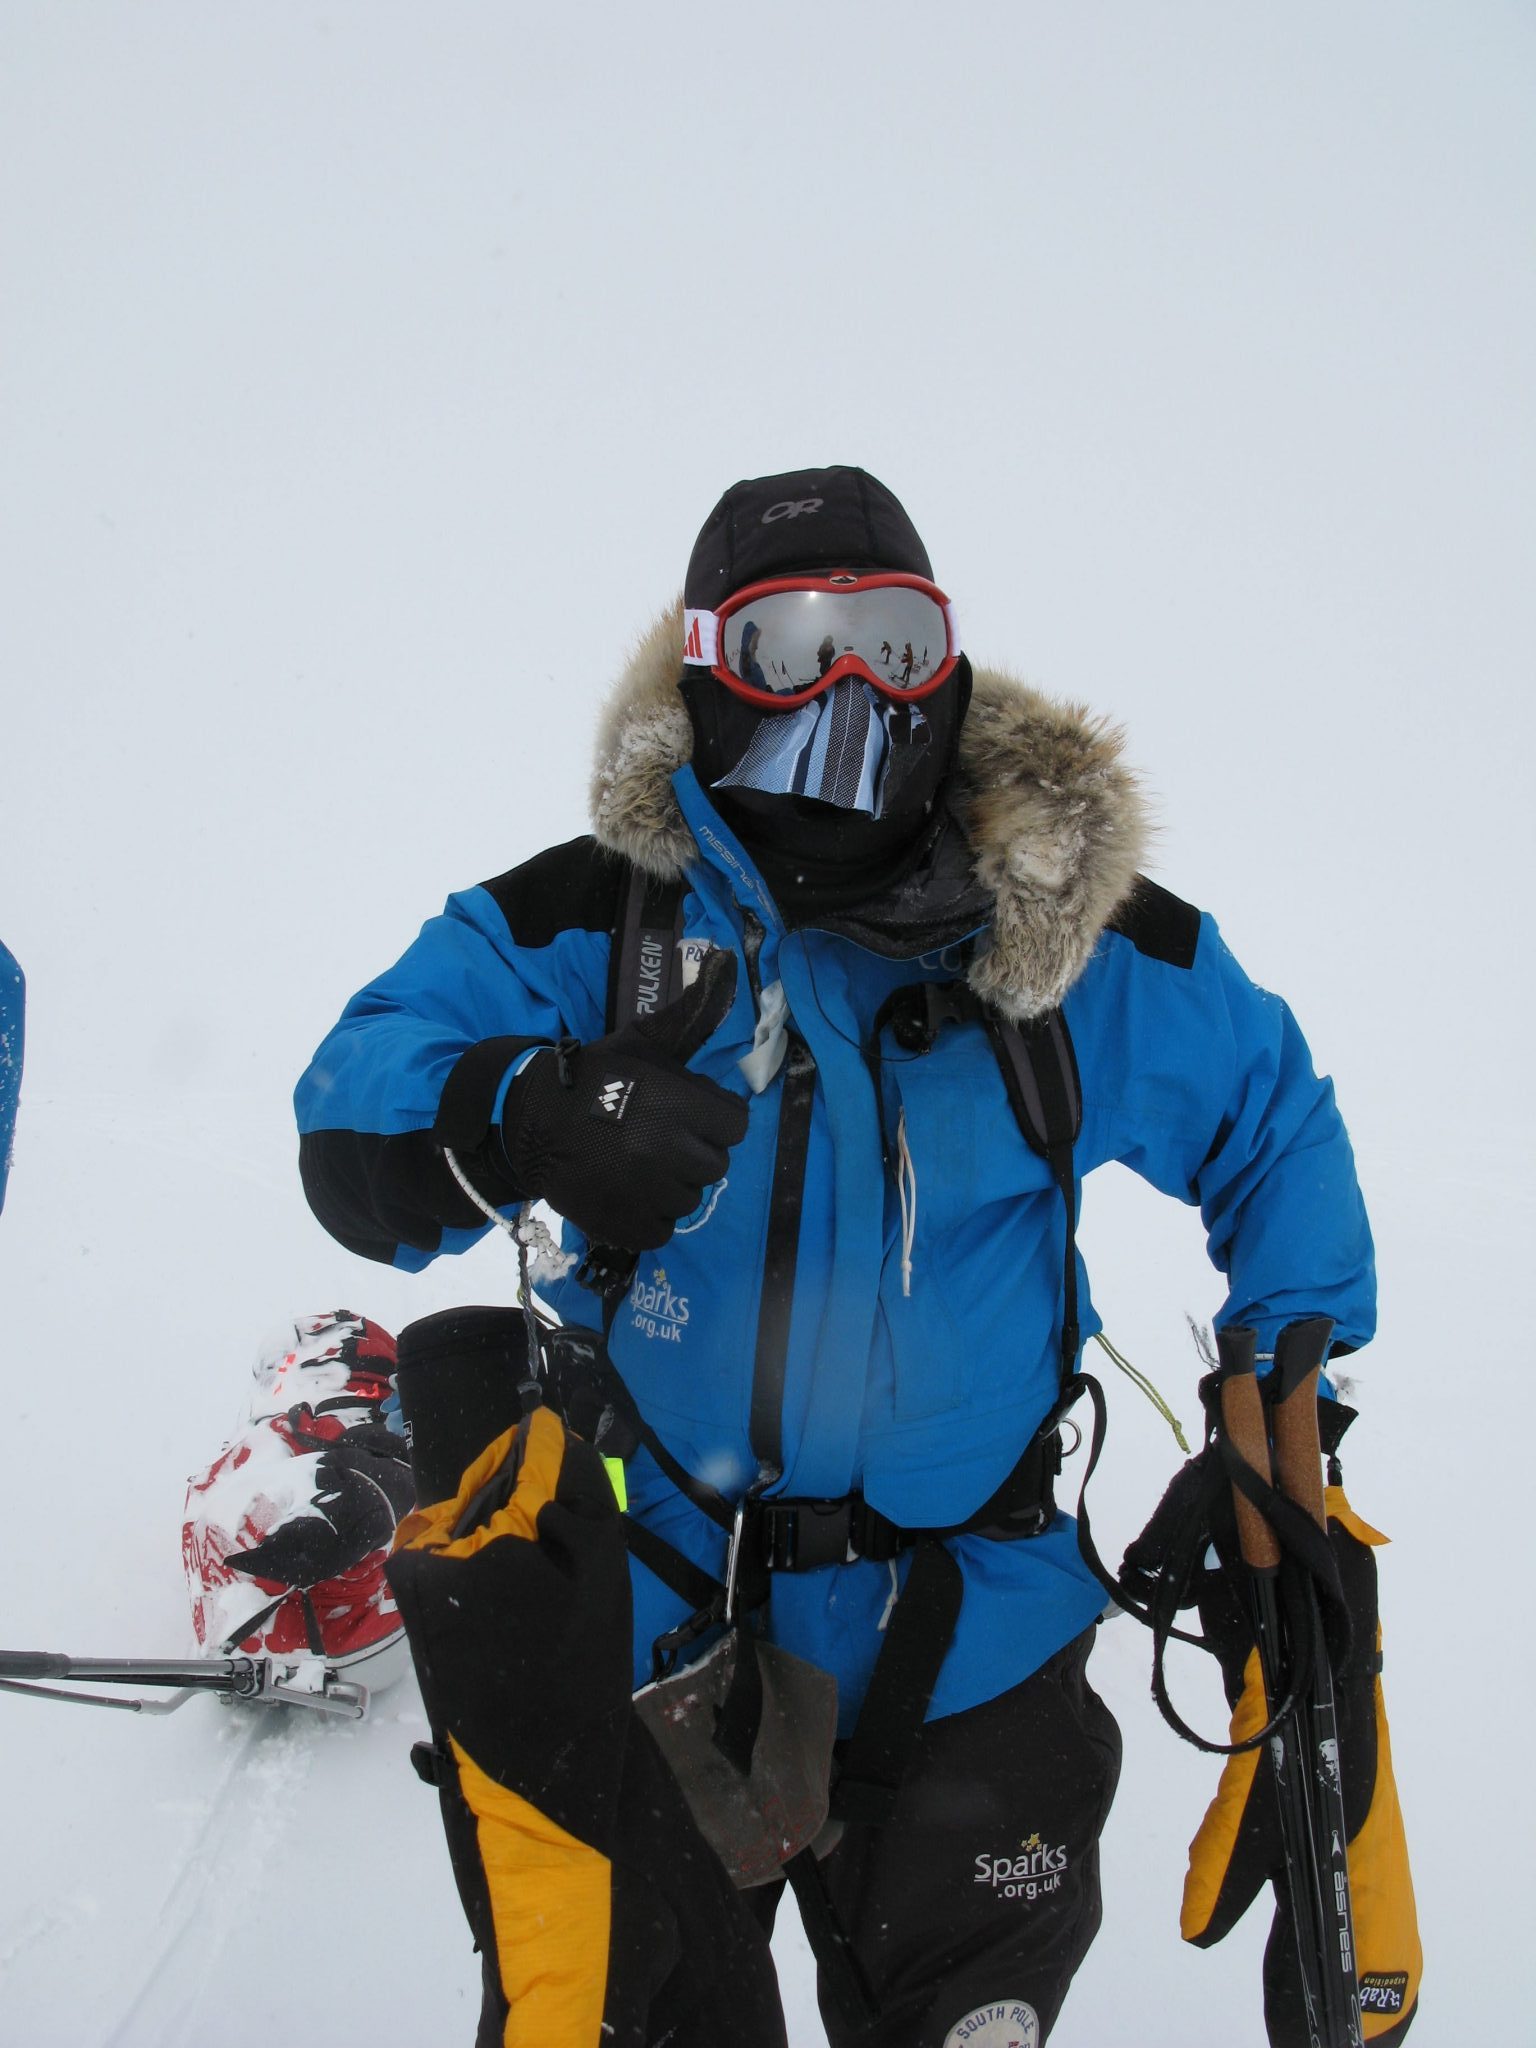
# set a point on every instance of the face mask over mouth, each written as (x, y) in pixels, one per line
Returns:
(841, 749)
(831, 795)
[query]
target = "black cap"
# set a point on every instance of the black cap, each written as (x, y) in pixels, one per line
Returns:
(805, 520)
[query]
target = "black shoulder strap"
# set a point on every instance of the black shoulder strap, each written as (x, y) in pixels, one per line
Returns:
(1040, 1073)
(645, 969)
(1039, 1068)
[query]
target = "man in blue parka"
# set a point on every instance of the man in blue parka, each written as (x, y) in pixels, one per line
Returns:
(850, 1289)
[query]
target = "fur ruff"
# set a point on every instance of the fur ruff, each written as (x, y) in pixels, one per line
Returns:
(1056, 822)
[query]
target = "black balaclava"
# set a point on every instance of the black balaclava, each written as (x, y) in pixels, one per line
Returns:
(802, 523)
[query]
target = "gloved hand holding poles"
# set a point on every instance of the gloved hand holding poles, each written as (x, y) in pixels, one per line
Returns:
(1241, 1843)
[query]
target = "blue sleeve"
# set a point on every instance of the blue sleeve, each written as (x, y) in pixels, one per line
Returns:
(13, 994)
(420, 1058)
(1202, 1083)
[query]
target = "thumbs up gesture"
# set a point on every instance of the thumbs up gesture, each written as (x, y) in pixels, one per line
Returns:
(618, 1135)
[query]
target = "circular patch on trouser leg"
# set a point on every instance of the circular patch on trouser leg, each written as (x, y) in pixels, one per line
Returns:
(1007, 2024)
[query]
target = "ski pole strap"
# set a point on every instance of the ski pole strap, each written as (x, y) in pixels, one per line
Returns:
(1185, 1550)
(1291, 1390)
(1286, 1519)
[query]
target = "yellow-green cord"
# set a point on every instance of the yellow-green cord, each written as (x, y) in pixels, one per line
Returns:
(1139, 1379)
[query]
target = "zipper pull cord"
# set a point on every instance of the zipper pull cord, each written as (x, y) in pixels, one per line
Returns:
(1139, 1379)
(906, 1190)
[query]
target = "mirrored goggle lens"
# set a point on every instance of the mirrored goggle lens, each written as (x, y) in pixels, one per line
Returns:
(787, 640)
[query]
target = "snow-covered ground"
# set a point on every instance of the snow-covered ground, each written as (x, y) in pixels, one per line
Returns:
(365, 372)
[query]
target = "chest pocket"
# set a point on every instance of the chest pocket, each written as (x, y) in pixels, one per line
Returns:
(961, 1133)
(987, 1231)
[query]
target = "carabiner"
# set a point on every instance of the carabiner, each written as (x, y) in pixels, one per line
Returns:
(733, 1559)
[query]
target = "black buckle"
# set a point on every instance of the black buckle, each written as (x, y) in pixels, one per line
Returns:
(804, 1535)
(924, 1006)
(607, 1270)
(667, 1649)
(432, 1765)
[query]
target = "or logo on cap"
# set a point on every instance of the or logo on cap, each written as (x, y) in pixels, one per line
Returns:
(790, 508)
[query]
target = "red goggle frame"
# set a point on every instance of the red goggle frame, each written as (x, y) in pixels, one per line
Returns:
(781, 643)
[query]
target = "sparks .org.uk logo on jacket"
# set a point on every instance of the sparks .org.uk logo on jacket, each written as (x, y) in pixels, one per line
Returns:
(921, 1390)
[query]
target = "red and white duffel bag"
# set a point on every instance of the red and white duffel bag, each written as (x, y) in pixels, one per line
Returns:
(286, 1532)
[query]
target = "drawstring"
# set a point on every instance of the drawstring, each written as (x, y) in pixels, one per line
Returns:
(906, 1190)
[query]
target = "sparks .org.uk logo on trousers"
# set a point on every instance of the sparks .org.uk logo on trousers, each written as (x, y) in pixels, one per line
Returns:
(1028, 1872)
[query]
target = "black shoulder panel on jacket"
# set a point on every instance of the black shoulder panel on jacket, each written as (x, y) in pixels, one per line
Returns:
(1158, 923)
(574, 887)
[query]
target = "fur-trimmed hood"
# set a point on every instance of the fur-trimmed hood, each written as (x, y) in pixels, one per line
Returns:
(1055, 821)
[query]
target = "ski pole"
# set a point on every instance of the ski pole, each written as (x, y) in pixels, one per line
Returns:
(1292, 1392)
(1297, 1685)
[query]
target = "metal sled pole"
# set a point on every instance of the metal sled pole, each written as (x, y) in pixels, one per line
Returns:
(270, 1681)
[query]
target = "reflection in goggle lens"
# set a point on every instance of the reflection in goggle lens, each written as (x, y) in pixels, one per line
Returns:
(786, 640)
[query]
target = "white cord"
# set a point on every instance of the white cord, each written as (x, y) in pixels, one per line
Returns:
(502, 1222)
(528, 1233)
(894, 1595)
(526, 1230)
(906, 1190)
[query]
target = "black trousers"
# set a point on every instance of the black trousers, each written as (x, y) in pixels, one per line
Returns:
(967, 1914)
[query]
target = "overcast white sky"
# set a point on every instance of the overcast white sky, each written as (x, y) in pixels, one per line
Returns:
(366, 371)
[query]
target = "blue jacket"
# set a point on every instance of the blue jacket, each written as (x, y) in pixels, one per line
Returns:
(13, 994)
(923, 1398)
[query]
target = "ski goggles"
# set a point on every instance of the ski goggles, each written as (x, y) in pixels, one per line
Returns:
(785, 642)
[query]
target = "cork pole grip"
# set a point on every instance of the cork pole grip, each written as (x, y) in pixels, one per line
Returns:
(1242, 1416)
(1298, 1454)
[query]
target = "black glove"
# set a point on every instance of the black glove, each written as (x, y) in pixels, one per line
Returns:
(1175, 1540)
(618, 1135)
(1167, 1567)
